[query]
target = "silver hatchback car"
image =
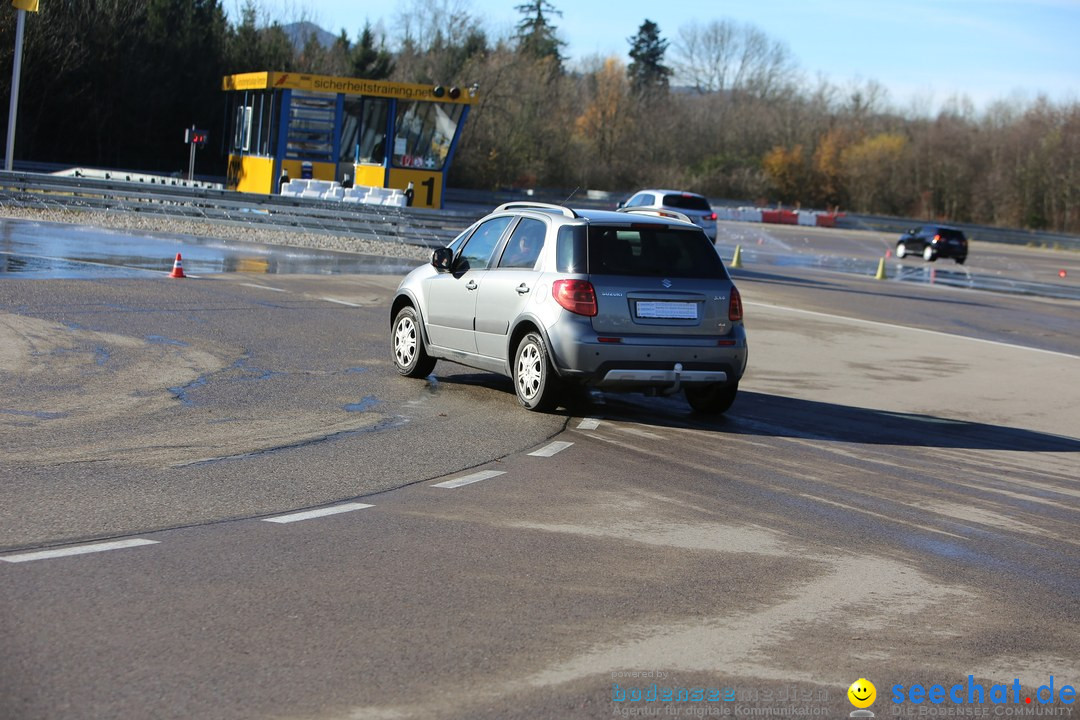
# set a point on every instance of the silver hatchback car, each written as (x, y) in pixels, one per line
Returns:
(694, 206)
(549, 296)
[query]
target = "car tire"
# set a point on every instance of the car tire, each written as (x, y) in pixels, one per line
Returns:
(960, 260)
(928, 254)
(712, 399)
(535, 382)
(407, 340)
(901, 250)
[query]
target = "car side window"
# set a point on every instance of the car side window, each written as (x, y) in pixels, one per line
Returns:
(479, 248)
(524, 246)
(571, 249)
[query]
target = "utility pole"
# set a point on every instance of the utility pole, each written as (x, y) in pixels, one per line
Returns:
(22, 6)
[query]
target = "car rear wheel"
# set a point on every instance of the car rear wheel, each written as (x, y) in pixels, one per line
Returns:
(928, 253)
(901, 250)
(534, 381)
(960, 260)
(712, 399)
(410, 356)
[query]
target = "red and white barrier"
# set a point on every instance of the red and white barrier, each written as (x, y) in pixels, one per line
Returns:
(807, 218)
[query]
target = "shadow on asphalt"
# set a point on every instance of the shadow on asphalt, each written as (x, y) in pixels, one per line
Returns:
(777, 416)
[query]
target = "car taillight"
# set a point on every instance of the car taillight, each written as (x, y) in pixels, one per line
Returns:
(936, 238)
(710, 216)
(577, 296)
(734, 308)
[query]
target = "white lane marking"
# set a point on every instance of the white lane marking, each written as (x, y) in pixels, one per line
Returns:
(341, 302)
(894, 326)
(321, 512)
(264, 287)
(589, 424)
(77, 550)
(549, 450)
(469, 479)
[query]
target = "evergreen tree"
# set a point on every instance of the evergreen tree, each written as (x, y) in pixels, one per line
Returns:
(647, 72)
(536, 35)
(369, 61)
(255, 49)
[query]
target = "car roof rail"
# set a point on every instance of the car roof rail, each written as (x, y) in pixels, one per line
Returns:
(526, 205)
(657, 213)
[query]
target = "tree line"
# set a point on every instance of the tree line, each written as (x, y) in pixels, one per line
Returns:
(719, 107)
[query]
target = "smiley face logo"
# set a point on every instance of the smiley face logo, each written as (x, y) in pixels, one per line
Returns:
(862, 693)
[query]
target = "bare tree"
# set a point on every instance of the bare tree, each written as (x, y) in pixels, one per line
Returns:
(725, 56)
(435, 40)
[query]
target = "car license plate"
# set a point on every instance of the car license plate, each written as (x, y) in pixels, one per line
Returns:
(667, 310)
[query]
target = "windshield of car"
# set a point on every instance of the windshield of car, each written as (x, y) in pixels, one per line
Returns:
(652, 251)
(687, 202)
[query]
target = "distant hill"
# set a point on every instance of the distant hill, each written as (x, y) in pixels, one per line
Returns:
(299, 32)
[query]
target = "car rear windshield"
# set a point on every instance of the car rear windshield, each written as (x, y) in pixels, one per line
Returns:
(687, 202)
(651, 251)
(950, 234)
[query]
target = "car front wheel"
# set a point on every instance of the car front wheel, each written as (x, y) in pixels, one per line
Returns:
(928, 253)
(712, 399)
(901, 250)
(410, 356)
(534, 381)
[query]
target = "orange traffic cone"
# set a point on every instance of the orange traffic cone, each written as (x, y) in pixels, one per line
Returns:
(177, 268)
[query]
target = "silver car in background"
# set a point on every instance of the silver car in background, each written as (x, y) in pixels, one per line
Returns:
(551, 297)
(694, 206)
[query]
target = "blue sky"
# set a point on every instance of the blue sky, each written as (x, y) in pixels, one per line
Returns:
(922, 51)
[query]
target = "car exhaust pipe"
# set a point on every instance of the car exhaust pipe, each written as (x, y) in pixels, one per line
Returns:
(678, 382)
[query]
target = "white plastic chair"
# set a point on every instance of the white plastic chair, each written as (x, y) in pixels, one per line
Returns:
(294, 188)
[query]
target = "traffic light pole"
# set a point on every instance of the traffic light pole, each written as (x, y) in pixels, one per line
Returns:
(191, 162)
(20, 27)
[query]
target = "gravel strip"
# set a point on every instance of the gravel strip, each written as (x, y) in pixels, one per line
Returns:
(137, 223)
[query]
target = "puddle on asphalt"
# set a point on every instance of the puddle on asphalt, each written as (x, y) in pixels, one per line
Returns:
(364, 405)
(47, 250)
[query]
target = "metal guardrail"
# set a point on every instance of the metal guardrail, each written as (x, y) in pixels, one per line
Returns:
(413, 226)
(849, 221)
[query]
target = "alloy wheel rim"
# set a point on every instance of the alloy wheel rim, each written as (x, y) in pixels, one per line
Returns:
(528, 371)
(405, 342)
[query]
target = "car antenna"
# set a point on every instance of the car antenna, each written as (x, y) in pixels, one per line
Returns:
(571, 195)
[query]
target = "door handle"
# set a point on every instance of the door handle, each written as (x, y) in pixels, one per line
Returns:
(471, 285)
(522, 289)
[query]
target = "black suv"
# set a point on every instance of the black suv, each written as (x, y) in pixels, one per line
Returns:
(932, 242)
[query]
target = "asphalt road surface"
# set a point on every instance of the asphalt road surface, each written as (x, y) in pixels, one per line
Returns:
(893, 496)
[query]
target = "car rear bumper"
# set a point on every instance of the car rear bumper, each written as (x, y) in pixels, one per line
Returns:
(646, 361)
(657, 377)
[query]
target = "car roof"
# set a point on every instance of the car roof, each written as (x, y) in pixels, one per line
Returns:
(662, 191)
(571, 215)
(612, 216)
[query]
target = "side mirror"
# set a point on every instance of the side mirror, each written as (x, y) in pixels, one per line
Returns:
(442, 258)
